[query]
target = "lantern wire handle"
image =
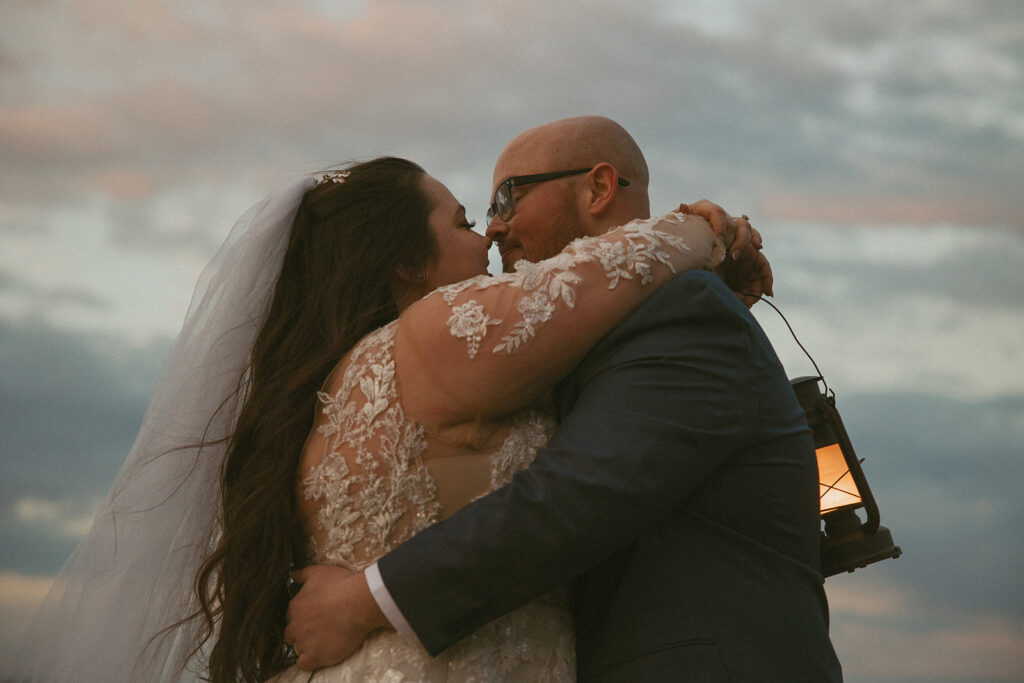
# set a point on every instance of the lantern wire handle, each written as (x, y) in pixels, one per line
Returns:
(802, 348)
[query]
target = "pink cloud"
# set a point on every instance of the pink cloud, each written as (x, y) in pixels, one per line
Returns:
(45, 130)
(124, 184)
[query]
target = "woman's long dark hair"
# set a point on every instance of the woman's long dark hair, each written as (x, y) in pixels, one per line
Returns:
(348, 242)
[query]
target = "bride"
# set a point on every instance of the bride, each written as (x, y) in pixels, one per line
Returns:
(347, 375)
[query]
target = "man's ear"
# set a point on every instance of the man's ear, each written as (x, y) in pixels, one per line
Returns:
(603, 183)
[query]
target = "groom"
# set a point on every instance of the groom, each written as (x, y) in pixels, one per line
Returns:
(678, 497)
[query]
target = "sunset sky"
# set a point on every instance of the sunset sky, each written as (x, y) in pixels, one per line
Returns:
(878, 147)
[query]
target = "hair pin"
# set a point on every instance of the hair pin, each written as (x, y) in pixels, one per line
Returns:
(335, 176)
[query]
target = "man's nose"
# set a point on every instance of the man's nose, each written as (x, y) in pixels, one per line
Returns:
(497, 229)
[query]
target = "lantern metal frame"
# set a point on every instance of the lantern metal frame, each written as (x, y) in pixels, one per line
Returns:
(847, 543)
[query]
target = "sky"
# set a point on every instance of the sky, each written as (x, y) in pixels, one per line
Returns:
(877, 146)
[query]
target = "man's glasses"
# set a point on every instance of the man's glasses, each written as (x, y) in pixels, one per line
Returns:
(503, 204)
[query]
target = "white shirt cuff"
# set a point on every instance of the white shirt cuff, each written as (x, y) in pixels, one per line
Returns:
(387, 604)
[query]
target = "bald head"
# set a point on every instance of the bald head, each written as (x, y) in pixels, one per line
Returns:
(581, 142)
(576, 143)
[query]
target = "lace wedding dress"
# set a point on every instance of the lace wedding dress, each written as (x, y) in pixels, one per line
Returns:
(373, 475)
(384, 478)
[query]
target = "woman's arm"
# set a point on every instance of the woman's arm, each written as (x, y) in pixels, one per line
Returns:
(488, 346)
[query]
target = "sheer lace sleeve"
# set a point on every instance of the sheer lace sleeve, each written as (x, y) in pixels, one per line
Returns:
(489, 345)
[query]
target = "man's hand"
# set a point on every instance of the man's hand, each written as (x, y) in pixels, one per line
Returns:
(331, 616)
(745, 270)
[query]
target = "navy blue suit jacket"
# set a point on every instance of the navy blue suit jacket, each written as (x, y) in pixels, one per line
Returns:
(679, 499)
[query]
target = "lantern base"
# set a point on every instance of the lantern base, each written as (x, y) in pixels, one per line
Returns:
(856, 550)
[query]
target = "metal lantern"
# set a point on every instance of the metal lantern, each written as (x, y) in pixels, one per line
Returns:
(847, 543)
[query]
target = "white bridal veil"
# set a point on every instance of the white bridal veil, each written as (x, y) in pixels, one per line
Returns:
(133, 574)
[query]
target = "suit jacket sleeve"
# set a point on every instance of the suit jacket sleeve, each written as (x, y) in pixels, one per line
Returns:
(656, 407)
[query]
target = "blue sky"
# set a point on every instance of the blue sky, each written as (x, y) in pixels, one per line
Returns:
(878, 147)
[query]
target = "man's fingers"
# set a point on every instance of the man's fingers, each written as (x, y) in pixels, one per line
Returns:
(323, 624)
(744, 238)
(765, 279)
(761, 279)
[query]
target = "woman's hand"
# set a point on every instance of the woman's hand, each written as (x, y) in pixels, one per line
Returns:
(745, 270)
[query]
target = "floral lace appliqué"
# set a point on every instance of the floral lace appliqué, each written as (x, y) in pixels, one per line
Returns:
(552, 283)
(372, 490)
(531, 430)
(469, 321)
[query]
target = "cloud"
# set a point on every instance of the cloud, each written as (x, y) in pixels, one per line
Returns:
(56, 133)
(61, 518)
(115, 267)
(844, 103)
(42, 297)
(899, 308)
(72, 403)
(904, 99)
(786, 205)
